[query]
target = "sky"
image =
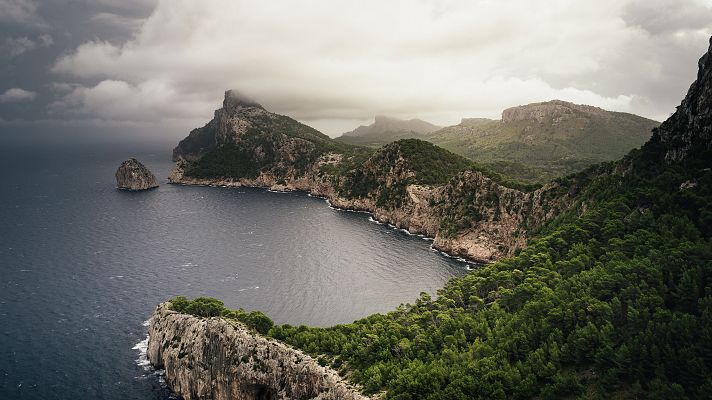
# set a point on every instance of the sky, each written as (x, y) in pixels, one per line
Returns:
(160, 68)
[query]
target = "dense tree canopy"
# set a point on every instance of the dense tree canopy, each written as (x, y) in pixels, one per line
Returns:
(612, 299)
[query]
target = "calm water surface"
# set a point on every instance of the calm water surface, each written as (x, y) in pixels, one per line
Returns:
(82, 265)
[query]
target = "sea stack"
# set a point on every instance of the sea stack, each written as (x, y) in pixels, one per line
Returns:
(132, 175)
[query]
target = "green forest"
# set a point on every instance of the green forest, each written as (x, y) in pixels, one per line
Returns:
(612, 299)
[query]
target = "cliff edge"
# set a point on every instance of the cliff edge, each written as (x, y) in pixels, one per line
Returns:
(220, 359)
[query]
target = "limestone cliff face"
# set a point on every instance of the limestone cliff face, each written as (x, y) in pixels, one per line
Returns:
(214, 358)
(689, 130)
(487, 221)
(132, 175)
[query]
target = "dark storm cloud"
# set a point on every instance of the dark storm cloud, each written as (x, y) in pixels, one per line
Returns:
(335, 63)
(33, 34)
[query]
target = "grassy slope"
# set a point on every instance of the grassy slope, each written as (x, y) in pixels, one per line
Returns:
(534, 152)
(547, 149)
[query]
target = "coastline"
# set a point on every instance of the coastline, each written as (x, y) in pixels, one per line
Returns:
(469, 261)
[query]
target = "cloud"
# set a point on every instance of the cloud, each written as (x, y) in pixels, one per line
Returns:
(339, 60)
(15, 47)
(660, 17)
(19, 12)
(17, 95)
(46, 40)
(119, 100)
(117, 21)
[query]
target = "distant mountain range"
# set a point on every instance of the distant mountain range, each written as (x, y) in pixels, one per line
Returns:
(534, 142)
(387, 129)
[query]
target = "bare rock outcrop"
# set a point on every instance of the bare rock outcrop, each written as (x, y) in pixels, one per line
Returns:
(219, 359)
(132, 175)
(548, 109)
(689, 130)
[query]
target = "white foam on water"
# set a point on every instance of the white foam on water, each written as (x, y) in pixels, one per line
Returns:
(142, 360)
(407, 232)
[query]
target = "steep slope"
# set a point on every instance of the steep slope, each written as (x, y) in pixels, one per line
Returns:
(222, 359)
(246, 124)
(387, 129)
(611, 299)
(540, 141)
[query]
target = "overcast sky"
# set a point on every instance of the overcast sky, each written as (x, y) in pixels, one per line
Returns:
(335, 64)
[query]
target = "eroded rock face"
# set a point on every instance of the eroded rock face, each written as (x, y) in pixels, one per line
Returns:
(132, 175)
(689, 130)
(213, 358)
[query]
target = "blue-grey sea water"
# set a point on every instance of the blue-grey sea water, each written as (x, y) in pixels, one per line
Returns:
(82, 264)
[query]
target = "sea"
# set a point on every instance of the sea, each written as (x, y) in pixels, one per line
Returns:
(83, 265)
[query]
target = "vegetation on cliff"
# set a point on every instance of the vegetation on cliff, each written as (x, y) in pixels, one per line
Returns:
(209, 307)
(617, 301)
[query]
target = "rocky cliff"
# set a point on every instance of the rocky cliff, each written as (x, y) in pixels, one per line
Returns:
(132, 175)
(410, 184)
(689, 130)
(220, 359)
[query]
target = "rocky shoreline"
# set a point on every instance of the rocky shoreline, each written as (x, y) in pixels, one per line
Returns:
(487, 242)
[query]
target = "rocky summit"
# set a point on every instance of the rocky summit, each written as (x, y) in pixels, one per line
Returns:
(132, 175)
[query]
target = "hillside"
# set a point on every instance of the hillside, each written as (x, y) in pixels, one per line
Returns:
(409, 183)
(611, 298)
(532, 143)
(541, 141)
(387, 129)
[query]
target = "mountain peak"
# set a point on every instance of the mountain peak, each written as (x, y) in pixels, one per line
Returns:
(689, 130)
(235, 99)
(383, 124)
